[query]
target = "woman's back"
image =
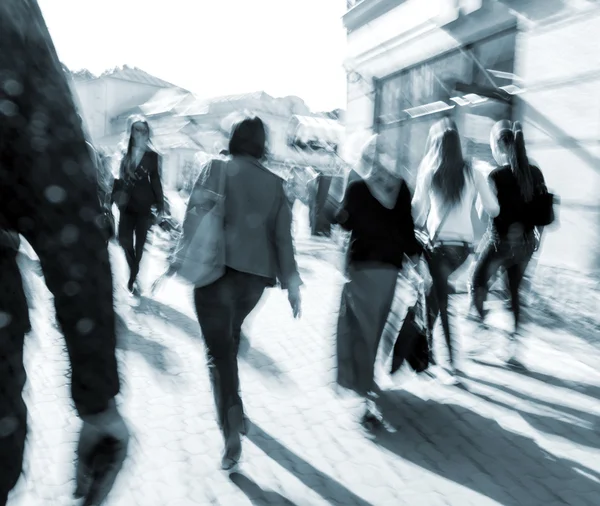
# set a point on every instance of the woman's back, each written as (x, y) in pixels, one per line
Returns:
(257, 220)
(513, 207)
(454, 223)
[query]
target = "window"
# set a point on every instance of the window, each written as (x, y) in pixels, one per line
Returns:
(494, 64)
(424, 89)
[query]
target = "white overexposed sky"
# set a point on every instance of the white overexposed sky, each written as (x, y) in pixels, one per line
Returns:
(211, 47)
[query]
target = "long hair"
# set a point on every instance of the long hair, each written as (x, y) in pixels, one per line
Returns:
(511, 141)
(446, 160)
(126, 165)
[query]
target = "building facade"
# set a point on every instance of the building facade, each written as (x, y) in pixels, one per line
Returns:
(411, 62)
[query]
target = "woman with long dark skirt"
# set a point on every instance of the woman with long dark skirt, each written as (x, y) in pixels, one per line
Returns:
(448, 187)
(137, 191)
(376, 210)
(512, 239)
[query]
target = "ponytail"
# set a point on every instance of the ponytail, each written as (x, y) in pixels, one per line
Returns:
(520, 163)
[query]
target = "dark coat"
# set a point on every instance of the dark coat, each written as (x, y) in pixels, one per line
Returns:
(49, 194)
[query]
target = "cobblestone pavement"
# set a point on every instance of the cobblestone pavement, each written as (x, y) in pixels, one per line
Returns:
(505, 437)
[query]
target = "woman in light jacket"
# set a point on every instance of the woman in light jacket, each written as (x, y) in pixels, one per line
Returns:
(259, 253)
(447, 189)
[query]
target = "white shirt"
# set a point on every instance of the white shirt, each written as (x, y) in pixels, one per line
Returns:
(458, 226)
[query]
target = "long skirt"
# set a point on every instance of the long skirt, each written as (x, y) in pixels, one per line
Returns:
(367, 298)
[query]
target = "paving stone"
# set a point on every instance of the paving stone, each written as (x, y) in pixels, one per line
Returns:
(451, 447)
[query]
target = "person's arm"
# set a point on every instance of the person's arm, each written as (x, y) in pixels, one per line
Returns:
(288, 275)
(411, 246)
(157, 184)
(421, 202)
(487, 199)
(51, 199)
(346, 214)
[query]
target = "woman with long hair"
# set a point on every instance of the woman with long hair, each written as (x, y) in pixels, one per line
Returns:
(376, 210)
(512, 237)
(139, 189)
(447, 189)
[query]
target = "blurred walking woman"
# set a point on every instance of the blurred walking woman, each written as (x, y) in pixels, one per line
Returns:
(377, 211)
(512, 238)
(259, 251)
(447, 189)
(136, 192)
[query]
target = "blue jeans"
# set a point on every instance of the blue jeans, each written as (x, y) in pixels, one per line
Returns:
(443, 261)
(512, 255)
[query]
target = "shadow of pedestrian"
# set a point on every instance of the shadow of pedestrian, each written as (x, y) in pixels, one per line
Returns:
(581, 430)
(157, 355)
(326, 486)
(257, 495)
(171, 315)
(262, 362)
(588, 389)
(471, 450)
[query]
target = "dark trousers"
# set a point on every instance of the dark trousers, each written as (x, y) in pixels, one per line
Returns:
(133, 232)
(14, 324)
(443, 261)
(512, 255)
(222, 308)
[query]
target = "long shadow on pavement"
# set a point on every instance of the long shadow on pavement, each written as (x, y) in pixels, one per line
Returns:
(157, 355)
(469, 449)
(253, 356)
(326, 486)
(584, 436)
(257, 495)
(592, 391)
(262, 362)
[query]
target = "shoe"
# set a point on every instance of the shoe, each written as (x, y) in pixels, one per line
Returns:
(232, 452)
(245, 426)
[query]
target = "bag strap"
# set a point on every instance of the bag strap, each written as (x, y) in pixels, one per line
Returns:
(439, 227)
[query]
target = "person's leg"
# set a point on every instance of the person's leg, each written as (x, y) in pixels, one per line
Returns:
(13, 412)
(143, 223)
(515, 273)
(431, 300)
(215, 310)
(126, 231)
(444, 262)
(488, 264)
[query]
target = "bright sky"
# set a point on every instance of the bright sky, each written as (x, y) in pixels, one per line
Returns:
(211, 47)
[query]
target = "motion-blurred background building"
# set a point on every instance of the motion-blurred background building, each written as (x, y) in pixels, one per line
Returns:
(537, 61)
(188, 130)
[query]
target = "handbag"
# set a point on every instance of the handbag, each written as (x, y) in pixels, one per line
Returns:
(412, 343)
(200, 255)
(541, 209)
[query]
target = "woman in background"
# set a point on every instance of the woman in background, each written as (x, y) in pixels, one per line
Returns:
(137, 191)
(376, 210)
(512, 238)
(447, 189)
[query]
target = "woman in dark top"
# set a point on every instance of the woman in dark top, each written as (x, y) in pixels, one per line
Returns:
(511, 238)
(377, 211)
(138, 190)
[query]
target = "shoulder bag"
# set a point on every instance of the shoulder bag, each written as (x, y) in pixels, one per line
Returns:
(200, 255)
